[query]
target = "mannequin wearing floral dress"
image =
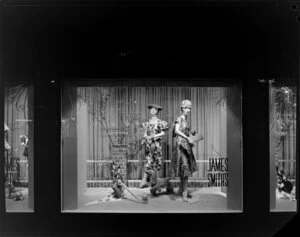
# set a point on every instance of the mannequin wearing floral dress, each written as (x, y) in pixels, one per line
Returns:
(153, 138)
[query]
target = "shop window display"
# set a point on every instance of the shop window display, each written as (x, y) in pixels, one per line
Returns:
(18, 148)
(151, 148)
(283, 115)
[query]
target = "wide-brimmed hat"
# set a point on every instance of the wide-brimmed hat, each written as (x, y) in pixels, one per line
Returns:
(186, 104)
(158, 107)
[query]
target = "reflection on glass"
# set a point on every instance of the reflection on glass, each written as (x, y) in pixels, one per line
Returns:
(18, 148)
(119, 149)
(283, 105)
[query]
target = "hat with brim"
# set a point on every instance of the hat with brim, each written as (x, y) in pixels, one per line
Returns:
(158, 107)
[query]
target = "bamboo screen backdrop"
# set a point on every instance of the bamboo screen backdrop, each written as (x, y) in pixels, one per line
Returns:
(106, 111)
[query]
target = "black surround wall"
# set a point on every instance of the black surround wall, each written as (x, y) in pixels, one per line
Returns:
(42, 42)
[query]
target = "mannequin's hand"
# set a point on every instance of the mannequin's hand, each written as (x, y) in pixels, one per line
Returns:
(189, 140)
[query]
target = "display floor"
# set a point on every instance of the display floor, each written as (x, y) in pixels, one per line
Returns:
(202, 200)
(18, 206)
(283, 205)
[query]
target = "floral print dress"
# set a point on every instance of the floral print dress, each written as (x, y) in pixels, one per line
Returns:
(154, 145)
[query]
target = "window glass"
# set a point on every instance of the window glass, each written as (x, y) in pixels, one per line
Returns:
(283, 115)
(18, 148)
(151, 149)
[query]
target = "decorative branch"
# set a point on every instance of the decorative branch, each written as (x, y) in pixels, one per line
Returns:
(18, 98)
(133, 123)
(100, 117)
(285, 105)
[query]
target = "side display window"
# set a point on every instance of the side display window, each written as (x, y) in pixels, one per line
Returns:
(283, 117)
(18, 148)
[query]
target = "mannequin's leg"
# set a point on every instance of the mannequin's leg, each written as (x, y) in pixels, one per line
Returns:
(144, 183)
(185, 184)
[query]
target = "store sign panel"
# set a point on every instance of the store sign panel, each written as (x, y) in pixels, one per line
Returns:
(217, 172)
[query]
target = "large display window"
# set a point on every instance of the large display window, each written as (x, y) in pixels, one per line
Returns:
(157, 148)
(283, 130)
(18, 148)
